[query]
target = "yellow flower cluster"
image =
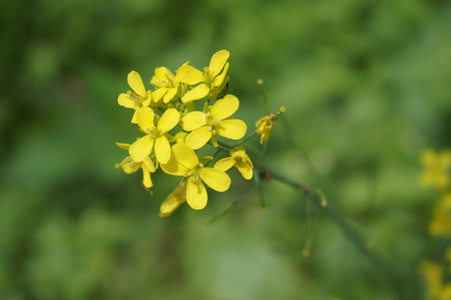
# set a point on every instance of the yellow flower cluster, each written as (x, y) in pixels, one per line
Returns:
(436, 169)
(437, 174)
(174, 129)
(434, 274)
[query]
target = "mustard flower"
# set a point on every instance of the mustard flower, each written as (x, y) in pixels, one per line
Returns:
(173, 201)
(129, 166)
(157, 135)
(211, 80)
(436, 167)
(445, 293)
(214, 121)
(169, 86)
(138, 98)
(184, 162)
(265, 125)
(240, 160)
(441, 222)
(432, 273)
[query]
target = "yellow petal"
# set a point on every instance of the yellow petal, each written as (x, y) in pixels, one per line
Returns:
(173, 201)
(189, 74)
(159, 93)
(197, 93)
(134, 120)
(156, 82)
(224, 164)
(220, 78)
(136, 83)
(148, 99)
(180, 136)
(224, 108)
(140, 149)
(123, 146)
(193, 120)
(173, 167)
(185, 155)
(163, 74)
(144, 117)
(172, 92)
(130, 167)
(196, 194)
(125, 101)
(246, 171)
(162, 149)
(168, 120)
(148, 163)
(216, 179)
(198, 138)
(218, 61)
(147, 181)
(232, 129)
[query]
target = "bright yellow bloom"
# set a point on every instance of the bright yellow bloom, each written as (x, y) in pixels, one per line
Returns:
(238, 159)
(184, 162)
(157, 135)
(169, 86)
(130, 166)
(441, 222)
(445, 293)
(211, 79)
(436, 168)
(265, 125)
(138, 98)
(214, 121)
(173, 201)
(432, 273)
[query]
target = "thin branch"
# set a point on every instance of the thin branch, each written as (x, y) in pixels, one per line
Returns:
(314, 197)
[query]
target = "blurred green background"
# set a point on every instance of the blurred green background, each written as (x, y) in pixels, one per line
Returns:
(366, 85)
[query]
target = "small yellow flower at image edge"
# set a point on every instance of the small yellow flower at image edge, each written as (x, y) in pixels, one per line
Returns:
(436, 169)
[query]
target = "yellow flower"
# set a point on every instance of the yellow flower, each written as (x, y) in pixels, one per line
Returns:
(238, 159)
(214, 121)
(445, 293)
(436, 167)
(441, 222)
(265, 125)
(169, 86)
(184, 162)
(211, 79)
(138, 98)
(142, 148)
(432, 273)
(173, 201)
(130, 166)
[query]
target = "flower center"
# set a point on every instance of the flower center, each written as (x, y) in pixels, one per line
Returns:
(154, 132)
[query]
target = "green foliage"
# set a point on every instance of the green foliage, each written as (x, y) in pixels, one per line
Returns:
(365, 84)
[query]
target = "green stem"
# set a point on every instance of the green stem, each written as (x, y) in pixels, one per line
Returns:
(383, 267)
(318, 200)
(265, 100)
(246, 138)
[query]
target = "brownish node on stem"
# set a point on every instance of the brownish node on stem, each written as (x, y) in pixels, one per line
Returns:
(304, 189)
(266, 176)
